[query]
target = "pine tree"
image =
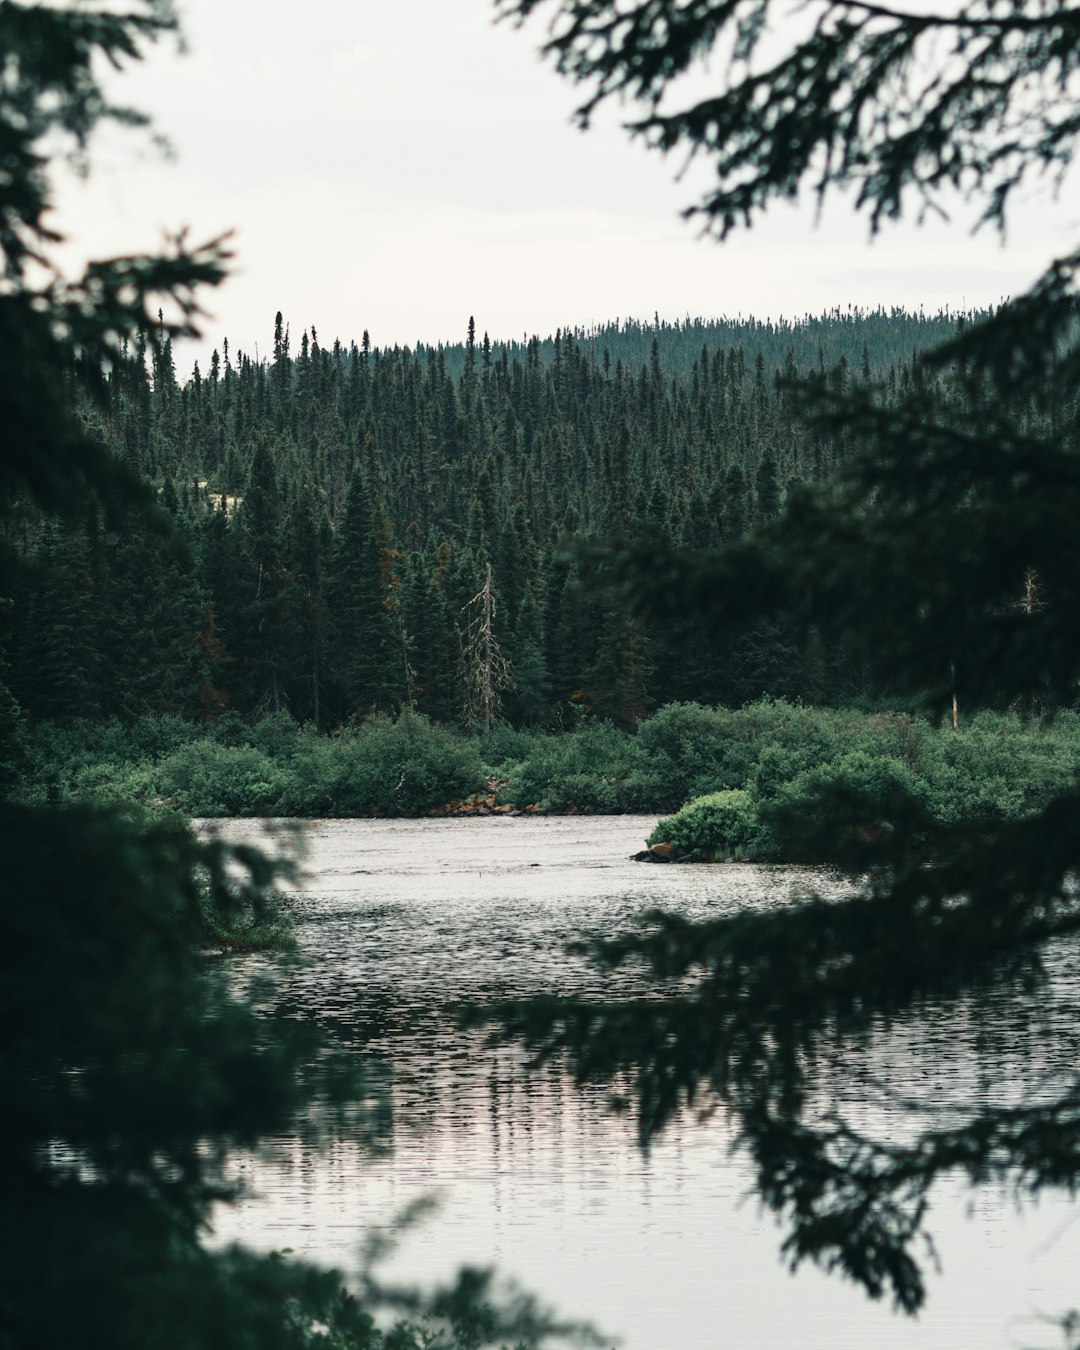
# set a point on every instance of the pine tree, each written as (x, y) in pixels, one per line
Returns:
(366, 646)
(262, 638)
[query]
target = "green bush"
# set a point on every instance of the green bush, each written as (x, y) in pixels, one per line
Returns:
(687, 750)
(778, 764)
(403, 766)
(310, 788)
(997, 769)
(208, 779)
(837, 811)
(109, 783)
(276, 735)
(717, 826)
(596, 767)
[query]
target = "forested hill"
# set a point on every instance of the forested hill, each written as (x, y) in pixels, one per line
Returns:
(891, 337)
(360, 529)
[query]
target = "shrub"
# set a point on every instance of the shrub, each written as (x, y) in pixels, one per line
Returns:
(995, 769)
(403, 766)
(836, 812)
(687, 750)
(110, 784)
(593, 768)
(276, 735)
(208, 779)
(720, 825)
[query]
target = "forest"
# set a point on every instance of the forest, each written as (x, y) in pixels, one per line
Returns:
(347, 530)
(368, 591)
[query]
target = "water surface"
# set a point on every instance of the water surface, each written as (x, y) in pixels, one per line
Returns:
(668, 1252)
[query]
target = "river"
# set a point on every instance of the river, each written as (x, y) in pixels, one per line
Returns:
(543, 1180)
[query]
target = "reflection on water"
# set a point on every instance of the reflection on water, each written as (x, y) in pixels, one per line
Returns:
(541, 1178)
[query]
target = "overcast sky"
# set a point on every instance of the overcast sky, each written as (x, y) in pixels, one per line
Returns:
(398, 166)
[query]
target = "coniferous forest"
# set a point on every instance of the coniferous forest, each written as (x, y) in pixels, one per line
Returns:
(354, 530)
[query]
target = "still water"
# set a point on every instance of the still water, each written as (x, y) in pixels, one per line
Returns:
(542, 1180)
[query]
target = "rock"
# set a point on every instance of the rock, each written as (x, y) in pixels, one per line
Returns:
(664, 851)
(649, 855)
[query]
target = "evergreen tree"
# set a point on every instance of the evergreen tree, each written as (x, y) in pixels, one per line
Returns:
(261, 612)
(767, 487)
(367, 651)
(58, 670)
(156, 610)
(431, 643)
(305, 608)
(220, 566)
(529, 701)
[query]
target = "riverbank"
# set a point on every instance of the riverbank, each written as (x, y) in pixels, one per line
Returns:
(997, 766)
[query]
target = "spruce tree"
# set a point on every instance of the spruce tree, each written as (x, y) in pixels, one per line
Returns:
(366, 645)
(431, 644)
(155, 661)
(262, 639)
(529, 700)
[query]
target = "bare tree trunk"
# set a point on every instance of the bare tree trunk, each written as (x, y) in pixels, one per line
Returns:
(484, 669)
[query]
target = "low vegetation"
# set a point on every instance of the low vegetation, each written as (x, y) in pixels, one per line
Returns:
(766, 781)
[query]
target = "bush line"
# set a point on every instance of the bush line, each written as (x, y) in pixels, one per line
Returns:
(754, 768)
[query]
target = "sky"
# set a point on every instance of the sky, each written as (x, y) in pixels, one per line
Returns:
(400, 165)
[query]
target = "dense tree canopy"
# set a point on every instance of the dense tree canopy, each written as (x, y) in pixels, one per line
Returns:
(332, 556)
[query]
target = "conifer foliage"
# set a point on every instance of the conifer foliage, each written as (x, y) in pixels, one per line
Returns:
(332, 515)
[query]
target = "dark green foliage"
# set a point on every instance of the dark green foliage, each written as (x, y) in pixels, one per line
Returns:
(784, 756)
(331, 550)
(10, 712)
(130, 1071)
(529, 701)
(714, 827)
(156, 612)
(847, 807)
(432, 648)
(966, 456)
(403, 766)
(595, 768)
(367, 655)
(837, 103)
